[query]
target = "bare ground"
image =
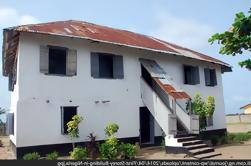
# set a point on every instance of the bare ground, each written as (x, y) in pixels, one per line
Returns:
(5, 151)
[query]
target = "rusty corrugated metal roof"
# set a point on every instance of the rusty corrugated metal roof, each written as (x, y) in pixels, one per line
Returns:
(85, 30)
(170, 90)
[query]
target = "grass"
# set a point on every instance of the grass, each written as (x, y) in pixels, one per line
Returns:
(230, 138)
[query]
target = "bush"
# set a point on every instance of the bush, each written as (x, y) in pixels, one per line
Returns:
(52, 156)
(128, 151)
(111, 129)
(1, 143)
(79, 153)
(109, 150)
(31, 156)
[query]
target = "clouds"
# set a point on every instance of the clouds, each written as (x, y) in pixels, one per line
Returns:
(11, 17)
(183, 31)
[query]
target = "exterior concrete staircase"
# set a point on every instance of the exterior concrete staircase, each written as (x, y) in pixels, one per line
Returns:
(195, 147)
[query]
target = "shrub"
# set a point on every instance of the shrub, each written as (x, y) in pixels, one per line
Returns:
(215, 139)
(79, 153)
(128, 151)
(72, 128)
(31, 156)
(92, 146)
(52, 156)
(111, 129)
(109, 149)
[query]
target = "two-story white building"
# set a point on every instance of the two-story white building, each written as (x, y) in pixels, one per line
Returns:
(60, 69)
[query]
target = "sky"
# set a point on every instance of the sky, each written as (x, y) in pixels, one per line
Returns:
(187, 23)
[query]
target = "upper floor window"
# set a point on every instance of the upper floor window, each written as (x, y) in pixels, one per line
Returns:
(58, 60)
(191, 75)
(105, 65)
(210, 77)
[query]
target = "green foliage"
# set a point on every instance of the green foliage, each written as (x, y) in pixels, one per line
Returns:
(31, 156)
(111, 129)
(128, 151)
(203, 109)
(2, 111)
(79, 153)
(198, 105)
(72, 127)
(215, 139)
(238, 137)
(52, 156)
(109, 149)
(209, 106)
(237, 39)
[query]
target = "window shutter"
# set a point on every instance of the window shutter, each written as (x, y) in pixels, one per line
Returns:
(196, 74)
(118, 68)
(10, 124)
(10, 82)
(71, 63)
(62, 120)
(207, 76)
(44, 59)
(95, 65)
(214, 77)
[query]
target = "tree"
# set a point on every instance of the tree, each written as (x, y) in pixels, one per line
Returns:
(237, 39)
(72, 128)
(205, 109)
(2, 111)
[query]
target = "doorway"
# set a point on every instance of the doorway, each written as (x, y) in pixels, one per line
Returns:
(146, 127)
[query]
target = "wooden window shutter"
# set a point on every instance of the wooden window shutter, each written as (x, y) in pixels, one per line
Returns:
(118, 67)
(207, 76)
(95, 65)
(71, 63)
(44, 59)
(62, 120)
(10, 124)
(10, 86)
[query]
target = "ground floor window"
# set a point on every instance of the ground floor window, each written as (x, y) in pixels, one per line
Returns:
(66, 115)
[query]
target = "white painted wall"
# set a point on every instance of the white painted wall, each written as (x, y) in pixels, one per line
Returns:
(39, 123)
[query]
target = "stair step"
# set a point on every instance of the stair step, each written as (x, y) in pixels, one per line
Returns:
(206, 155)
(201, 150)
(184, 135)
(184, 139)
(196, 146)
(193, 142)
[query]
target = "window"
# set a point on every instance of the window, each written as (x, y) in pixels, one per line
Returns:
(10, 124)
(58, 60)
(66, 115)
(191, 75)
(105, 65)
(210, 77)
